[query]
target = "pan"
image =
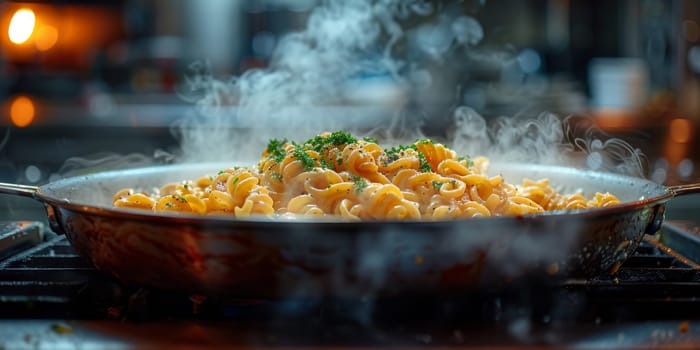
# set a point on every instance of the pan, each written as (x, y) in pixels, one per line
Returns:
(281, 258)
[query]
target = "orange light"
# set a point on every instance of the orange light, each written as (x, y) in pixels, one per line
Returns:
(46, 38)
(679, 130)
(22, 111)
(21, 26)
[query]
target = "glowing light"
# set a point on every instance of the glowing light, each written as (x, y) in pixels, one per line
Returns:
(46, 38)
(22, 111)
(21, 26)
(679, 130)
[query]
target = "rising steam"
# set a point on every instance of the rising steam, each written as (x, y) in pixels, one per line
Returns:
(307, 89)
(309, 84)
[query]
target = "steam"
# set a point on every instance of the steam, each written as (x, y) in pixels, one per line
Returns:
(307, 89)
(546, 139)
(313, 76)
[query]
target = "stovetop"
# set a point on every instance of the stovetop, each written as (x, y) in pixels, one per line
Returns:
(654, 298)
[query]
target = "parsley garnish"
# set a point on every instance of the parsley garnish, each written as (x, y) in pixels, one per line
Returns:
(360, 183)
(370, 139)
(424, 165)
(275, 149)
(275, 175)
(336, 138)
(425, 141)
(393, 153)
(221, 172)
(470, 163)
(306, 160)
(437, 185)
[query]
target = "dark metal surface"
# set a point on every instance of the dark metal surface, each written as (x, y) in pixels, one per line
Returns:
(16, 236)
(227, 257)
(653, 301)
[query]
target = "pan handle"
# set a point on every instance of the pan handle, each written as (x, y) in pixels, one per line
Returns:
(21, 190)
(680, 190)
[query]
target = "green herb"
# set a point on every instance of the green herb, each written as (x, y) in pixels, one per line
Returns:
(235, 180)
(470, 163)
(306, 160)
(336, 138)
(275, 175)
(340, 160)
(370, 139)
(325, 164)
(437, 185)
(179, 198)
(169, 204)
(394, 153)
(425, 141)
(186, 186)
(360, 183)
(221, 172)
(275, 149)
(424, 165)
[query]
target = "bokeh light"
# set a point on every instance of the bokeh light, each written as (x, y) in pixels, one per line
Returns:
(21, 26)
(46, 38)
(680, 130)
(22, 111)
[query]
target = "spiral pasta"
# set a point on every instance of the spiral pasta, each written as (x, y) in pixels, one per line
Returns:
(335, 174)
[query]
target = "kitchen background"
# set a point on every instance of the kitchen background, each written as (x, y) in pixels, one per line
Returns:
(86, 83)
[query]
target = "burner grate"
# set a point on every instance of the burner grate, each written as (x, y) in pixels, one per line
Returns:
(51, 280)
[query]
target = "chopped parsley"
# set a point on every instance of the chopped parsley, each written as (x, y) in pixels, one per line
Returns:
(470, 163)
(425, 141)
(235, 180)
(424, 165)
(306, 160)
(370, 139)
(221, 172)
(336, 138)
(275, 149)
(360, 183)
(325, 164)
(437, 185)
(179, 198)
(275, 175)
(394, 153)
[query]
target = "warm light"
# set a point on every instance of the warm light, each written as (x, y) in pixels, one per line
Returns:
(22, 111)
(21, 26)
(679, 130)
(46, 38)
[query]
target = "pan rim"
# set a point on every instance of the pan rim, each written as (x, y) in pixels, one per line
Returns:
(194, 219)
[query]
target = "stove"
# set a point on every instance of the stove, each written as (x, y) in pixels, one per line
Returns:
(49, 297)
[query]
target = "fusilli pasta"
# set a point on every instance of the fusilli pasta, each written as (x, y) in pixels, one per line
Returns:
(335, 174)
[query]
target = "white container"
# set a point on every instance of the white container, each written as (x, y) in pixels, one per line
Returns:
(618, 83)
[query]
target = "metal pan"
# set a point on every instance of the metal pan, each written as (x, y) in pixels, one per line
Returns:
(261, 258)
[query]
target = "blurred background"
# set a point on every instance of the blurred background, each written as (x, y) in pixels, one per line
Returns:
(82, 77)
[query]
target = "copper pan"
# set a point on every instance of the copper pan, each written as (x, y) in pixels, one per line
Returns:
(262, 257)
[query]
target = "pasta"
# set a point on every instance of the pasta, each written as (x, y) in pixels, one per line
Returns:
(336, 174)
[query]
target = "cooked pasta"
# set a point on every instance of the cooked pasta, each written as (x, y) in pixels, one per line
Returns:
(335, 174)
